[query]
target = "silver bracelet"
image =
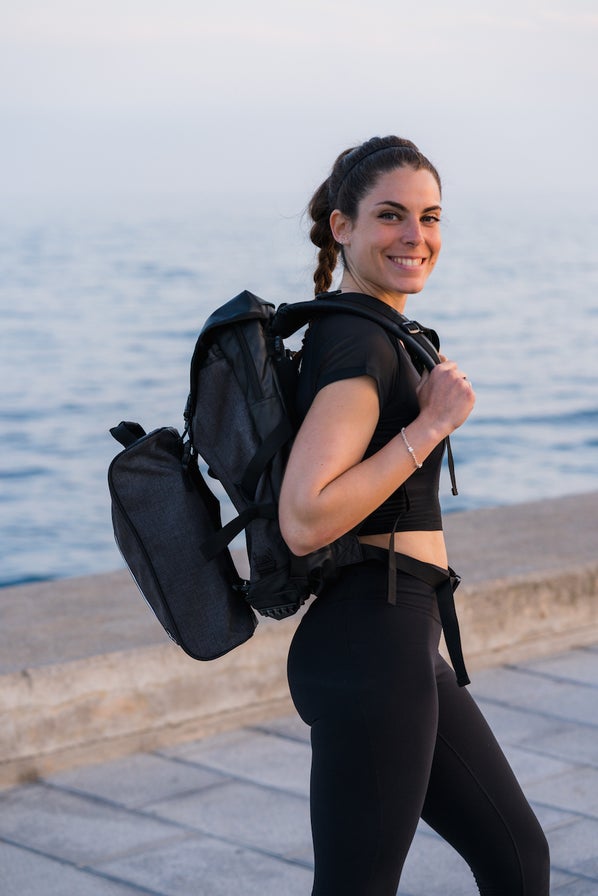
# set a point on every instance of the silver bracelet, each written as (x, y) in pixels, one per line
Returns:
(411, 451)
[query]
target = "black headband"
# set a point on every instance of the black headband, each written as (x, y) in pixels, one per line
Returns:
(366, 156)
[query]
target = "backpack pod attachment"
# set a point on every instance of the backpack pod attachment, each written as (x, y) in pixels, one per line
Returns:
(161, 511)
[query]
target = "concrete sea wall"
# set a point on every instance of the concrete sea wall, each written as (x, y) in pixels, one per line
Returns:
(87, 674)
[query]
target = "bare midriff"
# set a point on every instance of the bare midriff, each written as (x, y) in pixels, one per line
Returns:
(429, 547)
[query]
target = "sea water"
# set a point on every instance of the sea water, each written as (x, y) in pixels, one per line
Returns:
(100, 309)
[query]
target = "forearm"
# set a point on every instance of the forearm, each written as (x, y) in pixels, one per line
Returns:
(313, 518)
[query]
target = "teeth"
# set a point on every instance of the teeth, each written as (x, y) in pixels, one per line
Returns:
(409, 262)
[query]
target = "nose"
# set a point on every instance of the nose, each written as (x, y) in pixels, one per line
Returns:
(412, 233)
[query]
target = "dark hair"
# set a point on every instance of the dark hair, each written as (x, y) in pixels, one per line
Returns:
(353, 174)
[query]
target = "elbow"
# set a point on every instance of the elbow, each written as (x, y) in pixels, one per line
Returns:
(297, 539)
(300, 538)
(302, 525)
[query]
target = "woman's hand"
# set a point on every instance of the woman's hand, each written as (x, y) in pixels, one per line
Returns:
(446, 397)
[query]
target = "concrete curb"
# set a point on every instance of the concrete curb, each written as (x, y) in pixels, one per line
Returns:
(103, 706)
(106, 702)
(504, 620)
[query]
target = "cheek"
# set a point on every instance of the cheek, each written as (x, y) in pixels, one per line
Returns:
(433, 259)
(435, 249)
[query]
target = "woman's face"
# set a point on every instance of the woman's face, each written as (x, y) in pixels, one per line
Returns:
(392, 245)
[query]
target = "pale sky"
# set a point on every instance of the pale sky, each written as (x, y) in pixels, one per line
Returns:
(167, 97)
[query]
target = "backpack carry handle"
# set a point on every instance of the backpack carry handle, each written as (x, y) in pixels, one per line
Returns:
(127, 433)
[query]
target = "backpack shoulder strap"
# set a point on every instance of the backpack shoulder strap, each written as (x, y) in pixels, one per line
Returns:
(419, 340)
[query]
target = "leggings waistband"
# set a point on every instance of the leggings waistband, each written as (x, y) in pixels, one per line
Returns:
(443, 581)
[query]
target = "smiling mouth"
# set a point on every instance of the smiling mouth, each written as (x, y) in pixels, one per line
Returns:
(407, 262)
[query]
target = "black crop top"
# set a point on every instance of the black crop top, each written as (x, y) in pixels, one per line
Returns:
(341, 346)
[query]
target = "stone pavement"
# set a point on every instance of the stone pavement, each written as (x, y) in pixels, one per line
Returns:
(228, 814)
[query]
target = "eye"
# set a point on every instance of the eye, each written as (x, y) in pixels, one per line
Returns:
(389, 216)
(431, 219)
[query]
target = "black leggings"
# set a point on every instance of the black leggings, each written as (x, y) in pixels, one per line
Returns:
(395, 739)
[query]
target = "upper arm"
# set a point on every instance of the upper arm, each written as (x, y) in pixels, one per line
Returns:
(348, 372)
(333, 438)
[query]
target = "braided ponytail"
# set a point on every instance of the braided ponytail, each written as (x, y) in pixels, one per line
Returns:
(321, 236)
(320, 208)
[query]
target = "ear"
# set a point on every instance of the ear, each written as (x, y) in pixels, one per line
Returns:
(340, 226)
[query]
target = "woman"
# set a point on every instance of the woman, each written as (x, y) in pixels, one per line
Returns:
(394, 737)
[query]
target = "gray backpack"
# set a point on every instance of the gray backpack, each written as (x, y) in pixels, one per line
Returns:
(240, 423)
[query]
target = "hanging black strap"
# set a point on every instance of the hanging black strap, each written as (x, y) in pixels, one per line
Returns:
(450, 625)
(221, 539)
(443, 581)
(279, 436)
(451, 466)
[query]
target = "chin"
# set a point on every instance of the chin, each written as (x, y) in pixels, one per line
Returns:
(412, 289)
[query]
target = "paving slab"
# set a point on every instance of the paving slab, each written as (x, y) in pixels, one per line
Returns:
(253, 756)
(208, 867)
(530, 767)
(575, 790)
(70, 827)
(23, 873)
(574, 848)
(137, 780)
(553, 698)
(429, 851)
(551, 818)
(518, 724)
(568, 742)
(578, 666)
(576, 887)
(246, 814)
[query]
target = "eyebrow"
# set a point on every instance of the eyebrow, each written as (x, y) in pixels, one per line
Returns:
(402, 208)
